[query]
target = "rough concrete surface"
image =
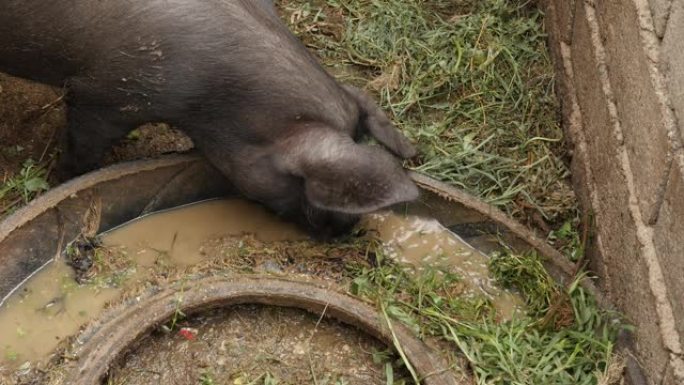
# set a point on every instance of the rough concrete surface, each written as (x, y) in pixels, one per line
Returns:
(571, 117)
(580, 165)
(620, 83)
(566, 18)
(669, 237)
(660, 9)
(645, 134)
(673, 58)
(627, 280)
(551, 10)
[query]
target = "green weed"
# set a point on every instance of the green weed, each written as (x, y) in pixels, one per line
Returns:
(22, 187)
(568, 240)
(577, 347)
(207, 379)
(527, 274)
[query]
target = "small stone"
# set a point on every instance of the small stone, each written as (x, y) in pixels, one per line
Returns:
(299, 349)
(271, 267)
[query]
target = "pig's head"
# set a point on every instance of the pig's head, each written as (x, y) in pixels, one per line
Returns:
(322, 179)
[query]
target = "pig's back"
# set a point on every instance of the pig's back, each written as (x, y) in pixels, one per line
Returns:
(169, 58)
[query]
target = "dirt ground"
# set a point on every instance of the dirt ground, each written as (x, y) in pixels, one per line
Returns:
(32, 116)
(248, 344)
(32, 122)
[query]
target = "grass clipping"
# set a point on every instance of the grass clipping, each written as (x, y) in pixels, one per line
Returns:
(469, 81)
(564, 339)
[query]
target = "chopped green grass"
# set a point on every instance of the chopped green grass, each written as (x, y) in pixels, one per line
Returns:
(469, 81)
(527, 274)
(568, 239)
(524, 351)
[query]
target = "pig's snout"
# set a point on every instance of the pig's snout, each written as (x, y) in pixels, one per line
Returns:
(326, 225)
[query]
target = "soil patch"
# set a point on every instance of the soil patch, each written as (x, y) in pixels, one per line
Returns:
(248, 344)
(32, 123)
(32, 116)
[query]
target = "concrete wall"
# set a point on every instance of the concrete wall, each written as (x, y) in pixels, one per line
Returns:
(620, 67)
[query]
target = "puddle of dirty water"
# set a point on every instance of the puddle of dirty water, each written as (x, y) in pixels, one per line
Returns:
(425, 242)
(50, 306)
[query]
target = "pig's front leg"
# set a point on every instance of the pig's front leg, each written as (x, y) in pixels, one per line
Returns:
(91, 131)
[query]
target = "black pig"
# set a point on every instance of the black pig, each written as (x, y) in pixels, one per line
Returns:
(229, 74)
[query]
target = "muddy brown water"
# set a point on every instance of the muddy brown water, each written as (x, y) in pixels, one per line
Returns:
(50, 306)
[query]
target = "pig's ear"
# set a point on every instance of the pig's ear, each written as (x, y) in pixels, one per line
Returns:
(343, 176)
(358, 181)
(375, 122)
